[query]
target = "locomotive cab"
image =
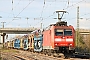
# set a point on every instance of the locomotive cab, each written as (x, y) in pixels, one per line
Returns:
(64, 38)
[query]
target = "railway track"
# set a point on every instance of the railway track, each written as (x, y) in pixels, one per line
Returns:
(81, 55)
(6, 56)
(70, 55)
(27, 55)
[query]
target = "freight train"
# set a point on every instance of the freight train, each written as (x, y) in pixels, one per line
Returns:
(56, 38)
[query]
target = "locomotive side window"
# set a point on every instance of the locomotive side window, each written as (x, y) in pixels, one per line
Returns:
(67, 32)
(58, 32)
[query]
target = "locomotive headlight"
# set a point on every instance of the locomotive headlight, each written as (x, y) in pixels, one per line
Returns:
(70, 44)
(55, 44)
(57, 39)
(69, 40)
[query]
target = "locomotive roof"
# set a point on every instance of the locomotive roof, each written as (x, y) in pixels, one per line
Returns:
(61, 23)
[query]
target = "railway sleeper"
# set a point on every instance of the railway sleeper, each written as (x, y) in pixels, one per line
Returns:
(19, 57)
(59, 55)
(53, 53)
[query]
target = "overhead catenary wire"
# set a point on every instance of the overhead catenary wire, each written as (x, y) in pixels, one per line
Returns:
(24, 8)
(48, 4)
(41, 13)
(21, 11)
(51, 15)
(11, 10)
(13, 7)
(80, 16)
(18, 3)
(74, 4)
(64, 8)
(67, 3)
(45, 18)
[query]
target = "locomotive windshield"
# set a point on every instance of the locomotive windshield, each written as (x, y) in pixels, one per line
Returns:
(58, 32)
(67, 32)
(63, 32)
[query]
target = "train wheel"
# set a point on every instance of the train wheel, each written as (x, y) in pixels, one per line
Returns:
(44, 51)
(49, 52)
(71, 51)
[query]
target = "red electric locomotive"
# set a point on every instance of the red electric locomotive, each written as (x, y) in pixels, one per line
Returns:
(59, 38)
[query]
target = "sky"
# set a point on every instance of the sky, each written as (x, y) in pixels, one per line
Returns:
(15, 13)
